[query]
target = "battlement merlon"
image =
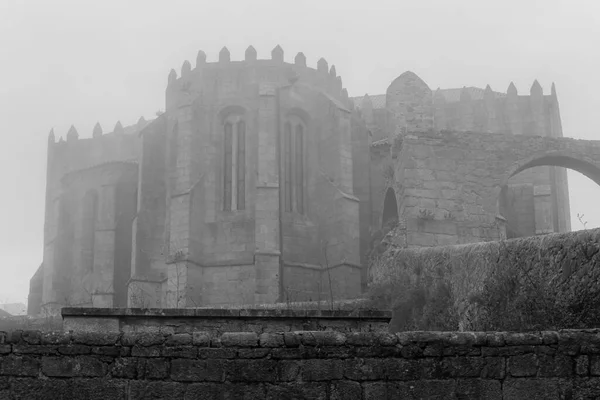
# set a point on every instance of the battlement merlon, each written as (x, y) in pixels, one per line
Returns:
(232, 76)
(76, 152)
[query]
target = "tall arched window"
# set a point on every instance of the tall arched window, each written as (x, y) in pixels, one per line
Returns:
(293, 142)
(173, 150)
(88, 234)
(234, 176)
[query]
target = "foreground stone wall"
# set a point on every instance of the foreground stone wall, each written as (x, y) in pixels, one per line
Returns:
(316, 365)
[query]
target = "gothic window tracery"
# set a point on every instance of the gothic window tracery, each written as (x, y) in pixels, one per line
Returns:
(234, 177)
(89, 219)
(293, 152)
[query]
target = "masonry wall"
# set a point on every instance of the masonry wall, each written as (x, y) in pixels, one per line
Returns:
(68, 156)
(563, 264)
(318, 365)
(455, 178)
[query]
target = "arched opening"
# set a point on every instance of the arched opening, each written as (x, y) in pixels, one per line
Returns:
(390, 209)
(89, 219)
(537, 197)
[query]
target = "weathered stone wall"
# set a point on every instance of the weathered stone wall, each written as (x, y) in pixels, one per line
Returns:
(564, 265)
(305, 364)
(66, 157)
(455, 178)
(220, 320)
(485, 111)
(92, 253)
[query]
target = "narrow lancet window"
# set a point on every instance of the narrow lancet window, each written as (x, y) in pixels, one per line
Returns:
(293, 153)
(287, 142)
(299, 168)
(241, 165)
(228, 166)
(88, 235)
(234, 174)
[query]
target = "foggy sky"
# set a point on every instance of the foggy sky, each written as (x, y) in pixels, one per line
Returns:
(81, 62)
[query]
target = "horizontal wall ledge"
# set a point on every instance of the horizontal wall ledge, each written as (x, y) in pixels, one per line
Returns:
(380, 315)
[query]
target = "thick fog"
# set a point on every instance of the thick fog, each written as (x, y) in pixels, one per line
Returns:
(81, 62)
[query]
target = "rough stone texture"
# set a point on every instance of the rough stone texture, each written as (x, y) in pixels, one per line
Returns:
(189, 248)
(87, 322)
(159, 234)
(566, 264)
(317, 365)
(406, 107)
(448, 184)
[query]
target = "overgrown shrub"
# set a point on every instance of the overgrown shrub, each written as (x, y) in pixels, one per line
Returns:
(536, 283)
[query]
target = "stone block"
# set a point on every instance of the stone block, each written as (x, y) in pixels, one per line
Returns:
(555, 365)
(55, 338)
(251, 371)
(110, 351)
(375, 390)
(523, 365)
(67, 367)
(321, 338)
(239, 339)
(520, 339)
(216, 353)
(479, 389)
(322, 370)
(342, 390)
(142, 390)
(201, 339)
(494, 368)
(74, 350)
(364, 369)
(582, 365)
(155, 368)
(124, 368)
(96, 338)
(463, 367)
(297, 390)
(398, 369)
(99, 389)
(180, 351)
(141, 351)
(287, 354)
(31, 337)
(288, 370)
(271, 340)
(183, 370)
(179, 339)
(13, 365)
(253, 353)
(532, 389)
(33, 388)
(595, 365)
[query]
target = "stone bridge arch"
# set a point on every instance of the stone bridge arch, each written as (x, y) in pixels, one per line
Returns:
(567, 159)
(452, 180)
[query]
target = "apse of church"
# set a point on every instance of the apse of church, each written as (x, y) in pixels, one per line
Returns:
(262, 181)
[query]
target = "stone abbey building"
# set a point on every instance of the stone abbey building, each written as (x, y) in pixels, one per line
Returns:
(263, 181)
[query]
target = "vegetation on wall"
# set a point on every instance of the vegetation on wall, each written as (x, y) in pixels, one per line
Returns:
(536, 283)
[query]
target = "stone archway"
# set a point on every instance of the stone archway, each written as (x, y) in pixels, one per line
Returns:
(390, 208)
(540, 209)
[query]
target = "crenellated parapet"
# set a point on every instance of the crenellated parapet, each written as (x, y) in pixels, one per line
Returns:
(227, 77)
(72, 151)
(414, 107)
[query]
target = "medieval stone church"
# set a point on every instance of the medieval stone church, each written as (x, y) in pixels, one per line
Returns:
(263, 181)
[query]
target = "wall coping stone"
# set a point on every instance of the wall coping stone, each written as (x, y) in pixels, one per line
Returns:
(377, 315)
